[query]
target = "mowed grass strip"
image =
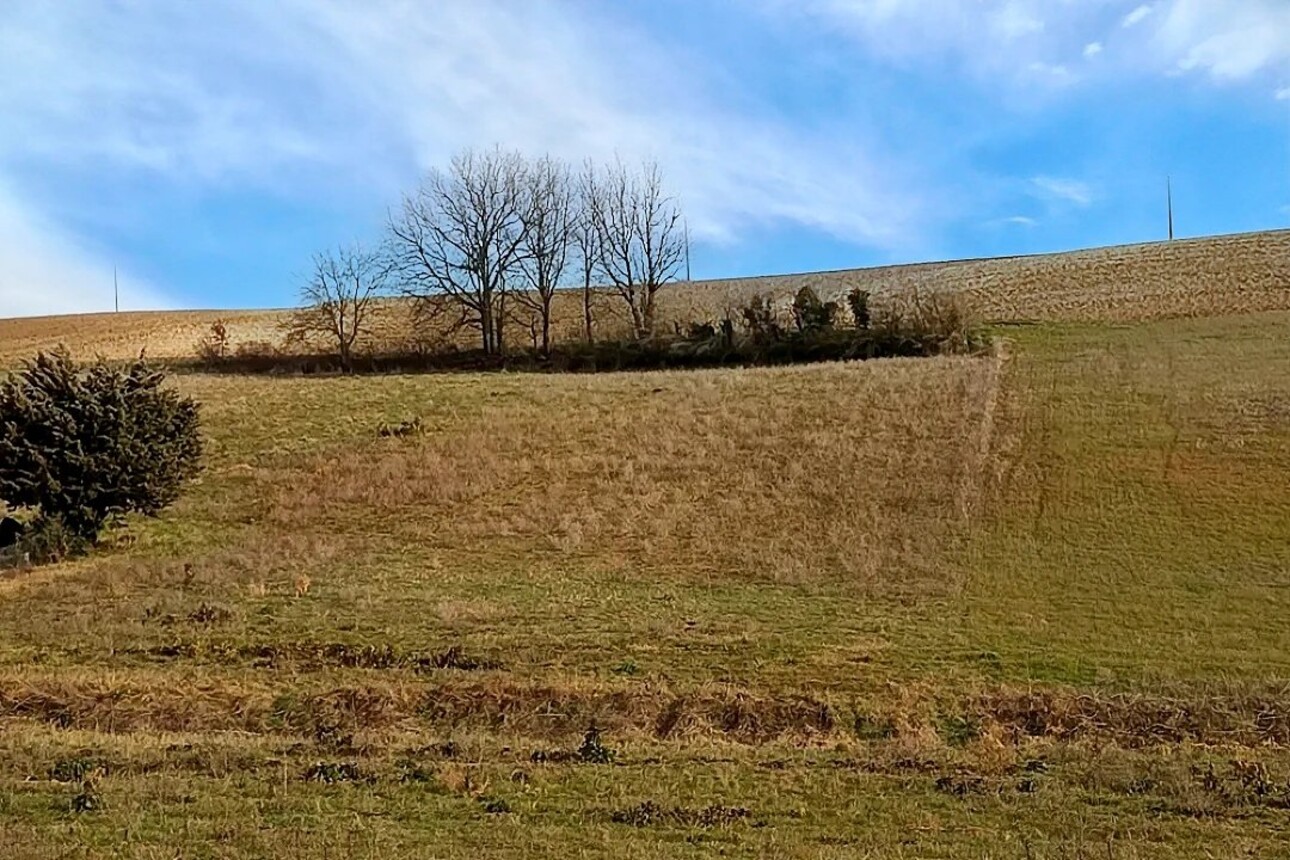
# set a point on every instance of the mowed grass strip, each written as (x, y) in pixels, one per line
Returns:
(143, 795)
(1143, 534)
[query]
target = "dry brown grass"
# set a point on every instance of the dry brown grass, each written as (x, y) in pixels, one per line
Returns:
(778, 474)
(650, 485)
(916, 718)
(1187, 278)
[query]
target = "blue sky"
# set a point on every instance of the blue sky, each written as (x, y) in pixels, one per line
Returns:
(207, 149)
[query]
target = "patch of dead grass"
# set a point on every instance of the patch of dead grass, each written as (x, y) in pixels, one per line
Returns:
(853, 471)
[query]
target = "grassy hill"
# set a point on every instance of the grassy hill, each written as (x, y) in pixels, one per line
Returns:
(1026, 604)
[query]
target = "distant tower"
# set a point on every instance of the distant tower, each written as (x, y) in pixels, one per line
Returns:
(686, 224)
(116, 292)
(1169, 196)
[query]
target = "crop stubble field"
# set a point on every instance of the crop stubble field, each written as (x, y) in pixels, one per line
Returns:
(1028, 604)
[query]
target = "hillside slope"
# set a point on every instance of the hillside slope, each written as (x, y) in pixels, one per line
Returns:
(1208, 276)
(1011, 607)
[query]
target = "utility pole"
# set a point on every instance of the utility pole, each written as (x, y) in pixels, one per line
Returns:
(116, 292)
(686, 223)
(1169, 195)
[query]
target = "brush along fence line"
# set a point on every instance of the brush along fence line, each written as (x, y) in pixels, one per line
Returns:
(1191, 277)
(1238, 715)
(1186, 278)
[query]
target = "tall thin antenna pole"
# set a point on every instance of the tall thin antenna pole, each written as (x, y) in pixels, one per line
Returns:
(686, 223)
(116, 292)
(1169, 194)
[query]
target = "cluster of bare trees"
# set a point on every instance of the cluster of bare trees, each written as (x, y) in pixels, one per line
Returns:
(492, 238)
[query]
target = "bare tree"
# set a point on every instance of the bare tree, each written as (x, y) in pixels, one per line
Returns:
(461, 236)
(639, 237)
(338, 297)
(549, 218)
(583, 234)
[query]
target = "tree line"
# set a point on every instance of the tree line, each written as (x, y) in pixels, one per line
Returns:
(492, 237)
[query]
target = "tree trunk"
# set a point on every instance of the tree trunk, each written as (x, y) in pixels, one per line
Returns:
(647, 312)
(499, 321)
(586, 304)
(638, 321)
(486, 326)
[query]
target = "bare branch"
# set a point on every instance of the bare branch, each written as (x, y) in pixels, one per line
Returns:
(550, 219)
(461, 236)
(338, 295)
(640, 242)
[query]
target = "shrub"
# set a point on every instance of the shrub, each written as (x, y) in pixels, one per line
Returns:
(697, 331)
(73, 769)
(495, 805)
(925, 324)
(212, 347)
(82, 445)
(256, 349)
(858, 301)
(48, 540)
(593, 749)
(810, 314)
(762, 331)
(760, 320)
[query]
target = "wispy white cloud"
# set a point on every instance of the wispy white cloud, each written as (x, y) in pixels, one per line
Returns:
(246, 92)
(88, 84)
(1231, 41)
(1021, 221)
(995, 40)
(1054, 72)
(1137, 16)
(1014, 20)
(1007, 41)
(598, 88)
(1062, 190)
(43, 270)
(1282, 94)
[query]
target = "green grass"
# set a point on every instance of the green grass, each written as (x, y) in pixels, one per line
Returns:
(1145, 533)
(761, 585)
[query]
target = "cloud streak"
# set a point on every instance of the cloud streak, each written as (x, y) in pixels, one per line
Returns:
(1017, 42)
(599, 88)
(1137, 16)
(1230, 41)
(45, 271)
(1062, 190)
(271, 95)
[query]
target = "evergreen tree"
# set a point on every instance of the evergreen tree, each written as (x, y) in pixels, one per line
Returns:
(82, 445)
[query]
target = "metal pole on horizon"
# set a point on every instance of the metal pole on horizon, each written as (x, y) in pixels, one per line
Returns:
(1169, 195)
(686, 223)
(116, 292)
